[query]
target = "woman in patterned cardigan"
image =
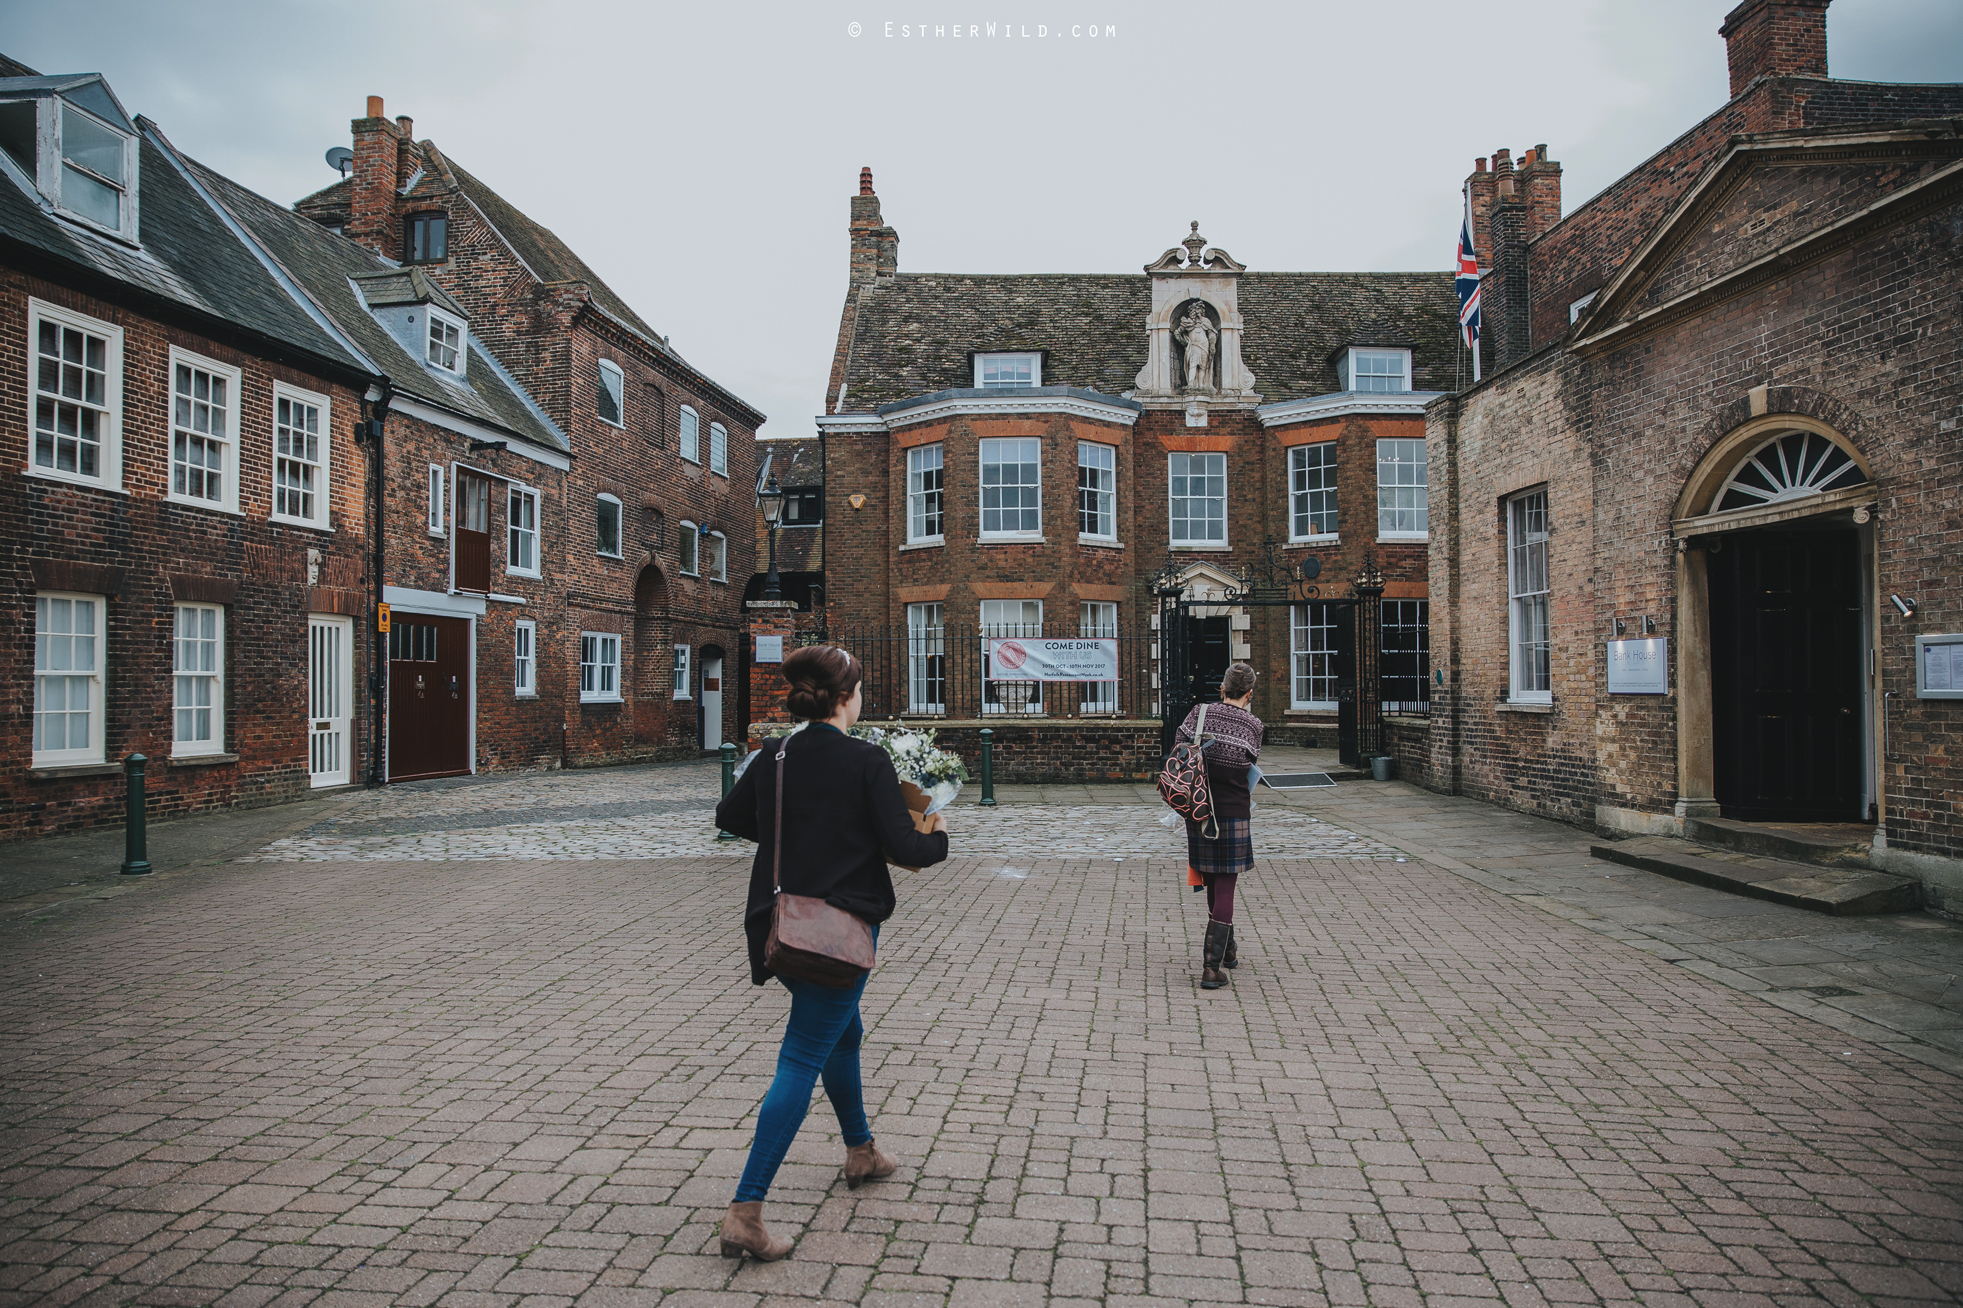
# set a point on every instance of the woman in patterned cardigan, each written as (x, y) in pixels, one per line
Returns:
(1233, 743)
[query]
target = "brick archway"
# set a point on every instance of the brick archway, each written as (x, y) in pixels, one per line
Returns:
(653, 674)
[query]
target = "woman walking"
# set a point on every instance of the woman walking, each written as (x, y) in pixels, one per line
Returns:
(842, 815)
(1233, 743)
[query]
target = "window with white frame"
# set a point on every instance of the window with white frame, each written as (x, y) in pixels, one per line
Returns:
(1098, 619)
(434, 514)
(1312, 491)
(924, 505)
(1097, 490)
(684, 677)
(198, 667)
(1531, 675)
(446, 341)
(599, 667)
(926, 658)
(203, 431)
(606, 517)
(1008, 371)
(524, 657)
(1375, 370)
(78, 149)
(1312, 656)
(95, 160)
(1009, 618)
(690, 551)
(718, 448)
(691, 442)
(521, 521)
(1403, 511)
(716, 548)
(77, 364)
(1197, 489)
(68, 662)
(611, 401)
(1012, 487)
(300, 449)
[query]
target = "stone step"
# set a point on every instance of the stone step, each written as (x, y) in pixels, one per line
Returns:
(1844, 892)
(1828, 844)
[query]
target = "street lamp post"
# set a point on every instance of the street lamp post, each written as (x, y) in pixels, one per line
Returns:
(771, 500)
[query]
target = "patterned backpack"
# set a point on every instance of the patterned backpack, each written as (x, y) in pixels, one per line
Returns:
(1182, 782)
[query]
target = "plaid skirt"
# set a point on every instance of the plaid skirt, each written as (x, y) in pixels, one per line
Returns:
(1230, 855)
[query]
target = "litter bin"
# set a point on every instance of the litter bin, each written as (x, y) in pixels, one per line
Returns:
(1380, 766)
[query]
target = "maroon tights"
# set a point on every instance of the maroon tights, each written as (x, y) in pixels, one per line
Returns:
(1220, 897)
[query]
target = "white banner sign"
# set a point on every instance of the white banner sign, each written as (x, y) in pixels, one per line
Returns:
(1639, 667)
(1032, 658)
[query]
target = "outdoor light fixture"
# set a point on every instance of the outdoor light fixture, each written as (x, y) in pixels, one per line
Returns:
(1618, 627)
(1907, 606)
(770, 501)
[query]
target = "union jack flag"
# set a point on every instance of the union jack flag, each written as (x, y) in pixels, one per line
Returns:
(1467, 284)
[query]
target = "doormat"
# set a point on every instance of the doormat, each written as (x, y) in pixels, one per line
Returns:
(1296, 780)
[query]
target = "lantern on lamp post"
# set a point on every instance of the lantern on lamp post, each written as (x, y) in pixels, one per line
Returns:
(771, 501)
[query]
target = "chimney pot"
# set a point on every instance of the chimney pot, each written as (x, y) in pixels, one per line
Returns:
(1479, 166)
(1527, 159)
(374, 106)
(865, 181)
(407, 126)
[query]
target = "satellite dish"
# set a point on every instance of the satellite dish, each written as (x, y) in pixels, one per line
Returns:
(339, 158)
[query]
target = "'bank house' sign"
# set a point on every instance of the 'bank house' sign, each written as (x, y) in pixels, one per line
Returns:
(1639, 667)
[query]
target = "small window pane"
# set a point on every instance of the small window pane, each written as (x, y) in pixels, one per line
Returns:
(718, 449)
(608, 516)
(612, 396)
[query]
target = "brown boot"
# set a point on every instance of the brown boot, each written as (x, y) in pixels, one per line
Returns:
(1212, 977)
(1232, 958)
(867, 1162)
(743, 1232)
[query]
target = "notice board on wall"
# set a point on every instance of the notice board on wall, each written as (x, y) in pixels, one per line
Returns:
(1939, 666)
(1639, 667)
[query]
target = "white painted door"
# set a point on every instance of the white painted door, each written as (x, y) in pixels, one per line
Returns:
(712, 702)
(330, 691)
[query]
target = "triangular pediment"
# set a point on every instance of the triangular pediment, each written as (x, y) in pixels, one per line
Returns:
(1771, 205)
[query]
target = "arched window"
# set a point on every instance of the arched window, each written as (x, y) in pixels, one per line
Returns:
(1789, 466)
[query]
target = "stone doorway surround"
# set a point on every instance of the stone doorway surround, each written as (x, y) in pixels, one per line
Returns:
(1693, 525)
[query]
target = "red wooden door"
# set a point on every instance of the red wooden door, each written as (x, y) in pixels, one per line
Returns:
(429, 697)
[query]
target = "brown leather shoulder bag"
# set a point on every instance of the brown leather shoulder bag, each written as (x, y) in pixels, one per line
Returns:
(811, 940)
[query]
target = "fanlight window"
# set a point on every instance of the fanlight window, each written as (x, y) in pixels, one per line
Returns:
(1789, 467)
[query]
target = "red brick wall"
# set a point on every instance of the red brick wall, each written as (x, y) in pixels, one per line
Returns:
(145, 539)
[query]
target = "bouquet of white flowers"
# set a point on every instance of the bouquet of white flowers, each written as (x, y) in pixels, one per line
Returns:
(934, 775)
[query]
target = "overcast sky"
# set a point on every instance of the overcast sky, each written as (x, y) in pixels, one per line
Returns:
(700, 157)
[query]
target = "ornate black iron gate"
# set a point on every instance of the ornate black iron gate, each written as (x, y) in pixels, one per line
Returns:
(1274, 582)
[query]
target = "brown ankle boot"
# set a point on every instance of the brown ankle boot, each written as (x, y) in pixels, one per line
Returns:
(743, 1232)
(1211, 975)
(866, 1162)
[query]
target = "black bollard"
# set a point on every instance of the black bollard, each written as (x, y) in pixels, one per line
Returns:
(988, 768)
(728, 778)
(136, 855)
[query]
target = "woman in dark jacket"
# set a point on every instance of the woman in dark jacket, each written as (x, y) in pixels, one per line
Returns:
(1233, 743)
(843, 814)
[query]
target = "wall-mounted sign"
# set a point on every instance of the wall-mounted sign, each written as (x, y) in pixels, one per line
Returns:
(1939, 666)
(382, 618)
(1030, 658)
(770, 649)
(1639, 667)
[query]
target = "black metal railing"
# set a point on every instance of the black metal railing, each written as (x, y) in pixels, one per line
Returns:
(945, 672)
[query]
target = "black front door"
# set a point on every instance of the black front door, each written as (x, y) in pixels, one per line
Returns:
(1786, 676)
(429, 697)
(1209, 636)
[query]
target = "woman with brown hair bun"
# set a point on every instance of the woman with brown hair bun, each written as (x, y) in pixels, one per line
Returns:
(842, 814)
(1233, 743)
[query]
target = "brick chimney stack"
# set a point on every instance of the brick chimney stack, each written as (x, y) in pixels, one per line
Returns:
(1775, 38)
(875, 246)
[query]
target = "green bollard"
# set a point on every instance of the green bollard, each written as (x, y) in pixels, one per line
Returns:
(728, 778)
(136, 857)
(988, 768)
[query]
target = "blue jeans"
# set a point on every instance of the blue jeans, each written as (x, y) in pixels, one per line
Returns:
(821, 1040)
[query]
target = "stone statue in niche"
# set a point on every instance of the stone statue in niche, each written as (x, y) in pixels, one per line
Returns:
(1197, 334)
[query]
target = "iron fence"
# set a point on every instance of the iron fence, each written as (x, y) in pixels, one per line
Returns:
(944, 672)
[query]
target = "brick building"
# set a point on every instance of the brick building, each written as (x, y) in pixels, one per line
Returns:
(188, 553)
(654, 506)
(1015, 454)
(1721, 411)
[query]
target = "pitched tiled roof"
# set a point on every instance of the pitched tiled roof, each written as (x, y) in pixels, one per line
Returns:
(327, 266)
(914, 331)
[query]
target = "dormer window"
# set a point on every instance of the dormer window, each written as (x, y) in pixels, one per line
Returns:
(1374, 370)
(426, 239)
(446, 341)
(78, 148)
(1008, 371)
